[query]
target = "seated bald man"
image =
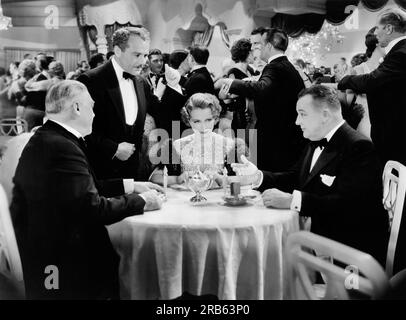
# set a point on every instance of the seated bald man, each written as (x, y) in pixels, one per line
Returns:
(337, 181)
(60, 210)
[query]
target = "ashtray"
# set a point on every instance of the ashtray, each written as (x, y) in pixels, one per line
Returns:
(235, 201)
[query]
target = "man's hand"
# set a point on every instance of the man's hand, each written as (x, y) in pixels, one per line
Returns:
(223, 82)
(124, 151)
(140, 187)
(277, 199)
(245, 168)
(153, 201)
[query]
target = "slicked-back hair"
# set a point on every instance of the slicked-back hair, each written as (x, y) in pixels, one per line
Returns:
(278, 38)
(323, 95)
(154, 52)
(122, 35)
(200, 101)
(259, 30)
(177, 57)
(394, 17)
(61, 93)
(200, 54)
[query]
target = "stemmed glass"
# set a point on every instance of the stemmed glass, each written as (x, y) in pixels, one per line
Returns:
(198, 179)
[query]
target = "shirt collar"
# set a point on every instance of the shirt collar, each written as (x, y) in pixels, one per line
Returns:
(117, 68)
(276, 56)
(393, 43)
(334, 130)
(197, 67)
(68, 128)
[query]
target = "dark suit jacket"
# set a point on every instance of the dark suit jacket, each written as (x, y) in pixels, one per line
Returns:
(59, 215)
(386, 94)
(350, 210)
(280, 141)
(198, 80)
(109, 126)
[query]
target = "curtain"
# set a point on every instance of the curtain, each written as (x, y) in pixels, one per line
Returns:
(374, 5)
(224, 35)
(295, 25)
(69, 59)
(203, 38)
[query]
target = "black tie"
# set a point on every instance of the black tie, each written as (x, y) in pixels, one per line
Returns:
(127, 76)
(82, 143)
(320, 143)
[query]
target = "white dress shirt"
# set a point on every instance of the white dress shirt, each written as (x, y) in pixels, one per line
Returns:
(128, 94)
(128, 184)
(393, 43)
(296, 203)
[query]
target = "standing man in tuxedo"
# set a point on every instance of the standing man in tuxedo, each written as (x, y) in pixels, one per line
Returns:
(275, 94)
(337, 181)
(199, 78)
(122, 99)
(385, 88)
(156, 64)
(59, 209)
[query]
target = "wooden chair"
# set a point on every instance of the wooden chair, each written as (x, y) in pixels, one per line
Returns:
(363, 277)
(13, 126)
(10, 263)
(394, 190)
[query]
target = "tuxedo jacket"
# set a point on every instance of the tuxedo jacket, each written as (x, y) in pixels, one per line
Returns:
(198, 80)
(109, 125)
(59, 211)
(342, 193)
(385, 88)
(280, 141)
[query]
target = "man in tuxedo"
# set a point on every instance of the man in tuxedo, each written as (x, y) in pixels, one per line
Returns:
(156, 64)
(59, 209)
(279, 141)
(336, 182)
(385, 88)
(122, 99)
(199, 78)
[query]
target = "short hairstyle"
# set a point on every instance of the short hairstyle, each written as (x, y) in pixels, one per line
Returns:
(27, 68)
(277, 38)
(300, 63)
(323, 95)
(61, 93)
(200, 54)
(56, 70)
(96, 59)
(109, 54)
(177, 57)
(200, 101)
(122, 35)
(358, 59)
(394, 17)
(241, 50)
(154, 52)
(371, 41)
(259, 30)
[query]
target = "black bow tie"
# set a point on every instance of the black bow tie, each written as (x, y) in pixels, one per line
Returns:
(127, 76)
(319, 144)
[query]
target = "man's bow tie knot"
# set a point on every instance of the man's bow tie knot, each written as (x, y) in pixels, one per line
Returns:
(127, 76)
(319, 144)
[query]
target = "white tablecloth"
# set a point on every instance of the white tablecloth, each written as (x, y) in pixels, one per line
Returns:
(231, 252)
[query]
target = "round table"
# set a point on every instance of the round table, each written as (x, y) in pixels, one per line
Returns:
(212, 248)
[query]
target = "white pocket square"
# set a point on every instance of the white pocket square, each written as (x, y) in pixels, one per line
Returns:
(327, 180)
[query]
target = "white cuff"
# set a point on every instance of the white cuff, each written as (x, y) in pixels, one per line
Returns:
(296, 203)
(128, 185)
(257, 183)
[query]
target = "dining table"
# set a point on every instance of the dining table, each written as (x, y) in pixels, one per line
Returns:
(211, 247)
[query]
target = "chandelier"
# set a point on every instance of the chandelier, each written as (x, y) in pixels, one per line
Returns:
(5, 22)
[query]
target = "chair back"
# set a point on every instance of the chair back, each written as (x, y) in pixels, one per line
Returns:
(10, 263)
(13, 126)
(363, 277)
(394, 189)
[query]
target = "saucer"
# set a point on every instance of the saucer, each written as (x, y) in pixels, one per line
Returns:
(235, 201)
